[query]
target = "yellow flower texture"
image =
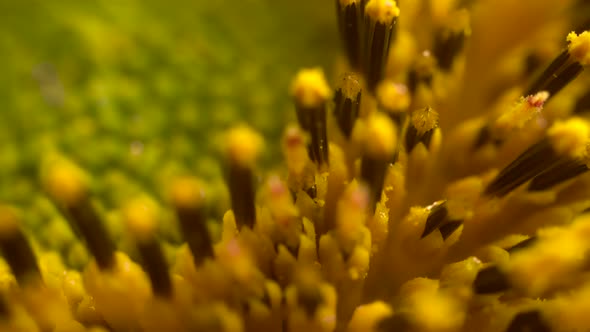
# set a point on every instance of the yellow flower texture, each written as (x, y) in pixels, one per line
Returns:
(440, 184)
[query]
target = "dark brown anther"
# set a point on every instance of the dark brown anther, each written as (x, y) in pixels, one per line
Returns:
(350, 23)
(522, 245)
(528, 321)
(347, 103)
(16, 249)
(421, 128)
(558, 173)
(380, 18)
(311, 93)
(438, 213)
(490, 280)
(188, 201)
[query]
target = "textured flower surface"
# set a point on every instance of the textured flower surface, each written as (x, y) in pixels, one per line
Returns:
(438, 182)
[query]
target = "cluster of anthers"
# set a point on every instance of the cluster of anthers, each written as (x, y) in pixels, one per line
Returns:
(440, 190)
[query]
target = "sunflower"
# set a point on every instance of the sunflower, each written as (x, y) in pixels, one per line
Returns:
(439, 184)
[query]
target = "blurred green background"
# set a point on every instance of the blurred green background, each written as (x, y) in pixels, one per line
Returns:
(131, 88)
(135, 91)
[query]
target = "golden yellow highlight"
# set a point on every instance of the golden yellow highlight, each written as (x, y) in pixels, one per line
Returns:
(579, 47)
(522, 112)
(187, 192)
(243, 146)
(382, 11)
(570, 137)
(141, 216)
(310, 89)
(393, 97)
(380, 136)
(64, 182)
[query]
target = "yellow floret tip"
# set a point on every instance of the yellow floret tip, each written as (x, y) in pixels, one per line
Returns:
(367, 317)
(187, 192)
(380, 136)
(350, 85)
(9, 221)
(65, 182)
(310, 88)
(579, 47)
(383, 11)
(243, 145)
(424, 120)
(141, 216)
(522, 112)
(393, 96)
(570, 137)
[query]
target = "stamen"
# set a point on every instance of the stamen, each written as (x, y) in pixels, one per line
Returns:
(423, 124)
(490, 280)
(380, 29)
(520, 114)
(448, 228)
(347, 102)
(560, 172)
(522, 245)
(528, 321)
(142, 216)
(564, 141)
(438, 218)
(349, 14)
(394, 99)
(311, 93)
(450, 40)
(188, 200)
(421, 72)
(380, 143)
(438, 213)
(16, 249)
(514, 119)
(243, 147)
(67, 186)
(566, 67)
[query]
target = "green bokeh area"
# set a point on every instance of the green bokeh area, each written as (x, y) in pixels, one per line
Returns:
(134, 91)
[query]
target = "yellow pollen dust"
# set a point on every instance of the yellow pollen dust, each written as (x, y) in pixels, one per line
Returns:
(350, 85)
(579, 47)
(522, 112)
(424, 120)
(382, 11)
